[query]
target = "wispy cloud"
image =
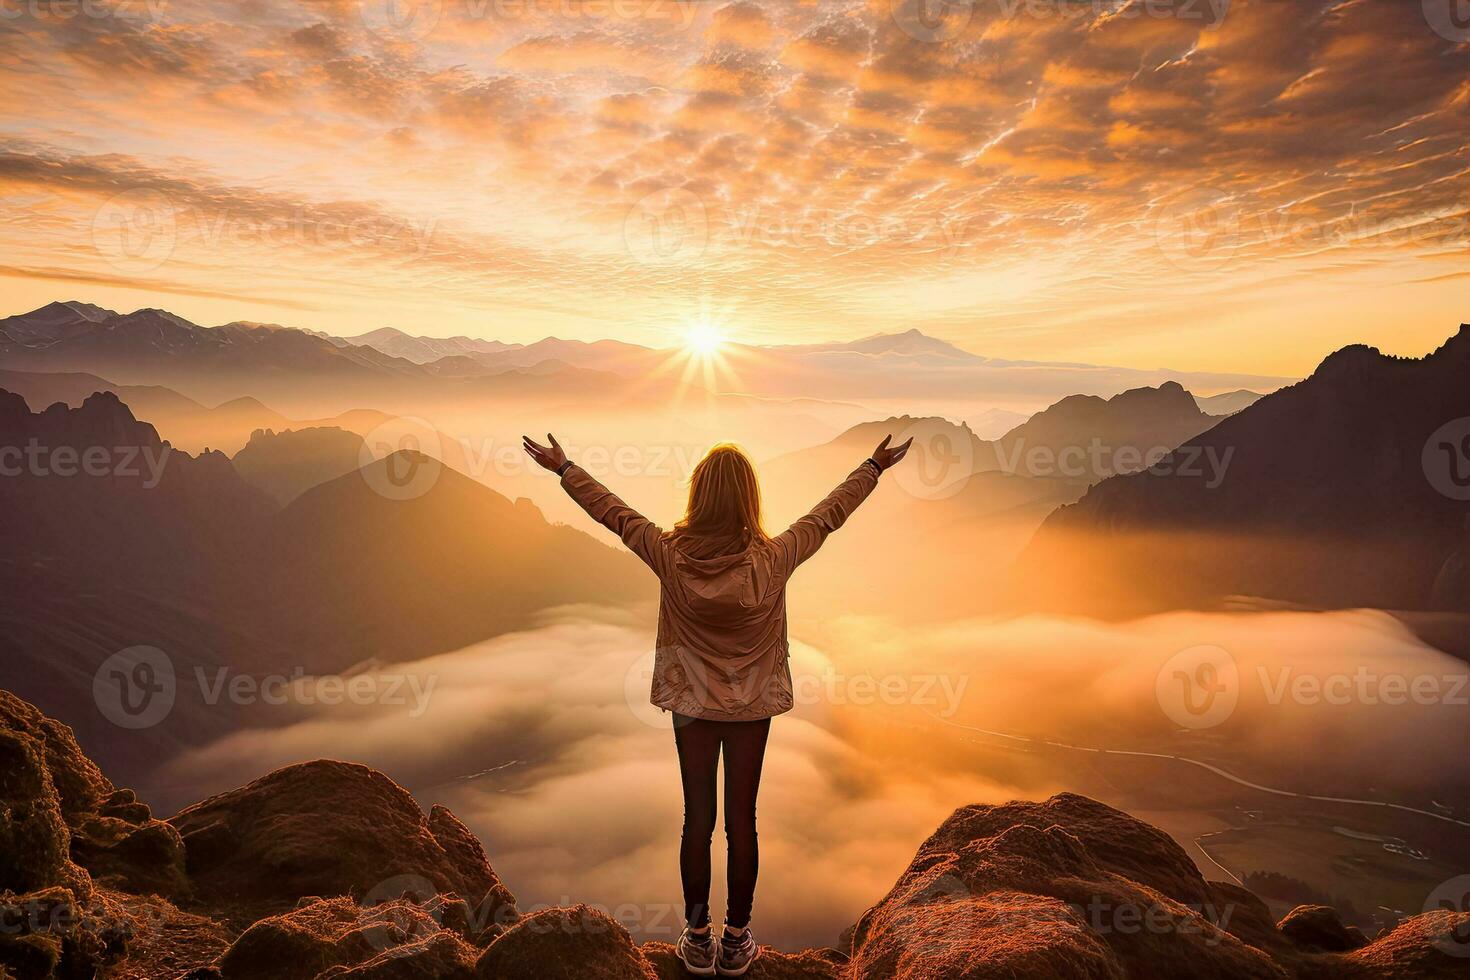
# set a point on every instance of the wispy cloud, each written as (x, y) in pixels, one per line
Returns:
(832, 160)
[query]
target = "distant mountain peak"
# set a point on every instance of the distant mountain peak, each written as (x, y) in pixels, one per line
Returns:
(84, 310)
(1456, 345)
(911, 342)
(1350, 361)
(380, 333)
(151, 315)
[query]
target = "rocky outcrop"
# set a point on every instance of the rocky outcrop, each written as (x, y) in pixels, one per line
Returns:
(1027, 897)
(330, 871)
(1433, 946)
(577, 943)
(35, 842)
(56, 847)
(337, 937)
(1317, 927)
(103, 831)
(286, 464)
(1084, 435)
(1341, 491)
(1072, 888)
(330, 829)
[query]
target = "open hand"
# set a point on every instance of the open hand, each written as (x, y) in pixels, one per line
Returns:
(551, 457)
(885, 456)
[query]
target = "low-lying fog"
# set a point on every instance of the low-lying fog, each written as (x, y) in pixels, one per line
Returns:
(543, 741)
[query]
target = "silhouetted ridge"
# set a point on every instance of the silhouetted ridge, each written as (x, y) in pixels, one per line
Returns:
(1326, 492)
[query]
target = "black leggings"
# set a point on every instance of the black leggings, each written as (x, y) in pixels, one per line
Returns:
(698, 742)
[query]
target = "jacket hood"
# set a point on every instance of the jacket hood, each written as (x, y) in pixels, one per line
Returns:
(721, 589)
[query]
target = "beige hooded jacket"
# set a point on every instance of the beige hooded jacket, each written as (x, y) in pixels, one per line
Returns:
(722, 651)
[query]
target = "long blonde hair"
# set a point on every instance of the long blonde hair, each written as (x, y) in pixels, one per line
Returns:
(724, 497)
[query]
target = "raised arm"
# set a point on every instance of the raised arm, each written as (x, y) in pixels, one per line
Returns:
(801, 540)
(639, 533)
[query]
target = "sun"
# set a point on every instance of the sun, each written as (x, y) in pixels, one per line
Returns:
(704, 338)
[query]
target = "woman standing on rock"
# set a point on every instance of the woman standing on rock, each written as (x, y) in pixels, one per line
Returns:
(721, 664)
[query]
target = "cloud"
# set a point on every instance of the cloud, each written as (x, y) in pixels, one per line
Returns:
(164, 286)
(544, 743)
(1036, 124)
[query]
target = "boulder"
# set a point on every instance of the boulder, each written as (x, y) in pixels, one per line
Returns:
(69, 822)
(1003, 892)
(492, 907)
(80, 785)
(51, 934)
(35, 843)
(438, 957)
(337, 937)
(577, 943)
(330, 829)
(1320, 929)
(1432, 946)
(142, 859)
(1116, 841)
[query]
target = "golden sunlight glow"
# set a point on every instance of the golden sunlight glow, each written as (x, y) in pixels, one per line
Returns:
(704, 338)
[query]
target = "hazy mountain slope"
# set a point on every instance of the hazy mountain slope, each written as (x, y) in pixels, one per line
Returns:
(943, 451)
(302, 372)
(51, 323)
(911, 344)
(599, 355)
(1227, 403)
(153, 346)
(934, 539)
(144, 546)
(99, 488)
(286, 464)
(995, 422)
(1087, 436)
(44, 389)
(346, 565)
(1345, 489)
(422, 350)
(151, 546)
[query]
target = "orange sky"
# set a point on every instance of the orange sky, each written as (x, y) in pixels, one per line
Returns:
(1180, 183)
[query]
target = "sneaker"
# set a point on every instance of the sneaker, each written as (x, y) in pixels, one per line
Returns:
(698, 957)
(737, 953)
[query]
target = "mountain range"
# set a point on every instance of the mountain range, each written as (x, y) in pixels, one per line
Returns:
(1346, 489)
(1228, 402)
(419, 350)
(1084, 435)
(115, 539)
(271, 362)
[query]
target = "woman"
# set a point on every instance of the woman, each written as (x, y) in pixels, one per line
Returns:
(721, 666)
